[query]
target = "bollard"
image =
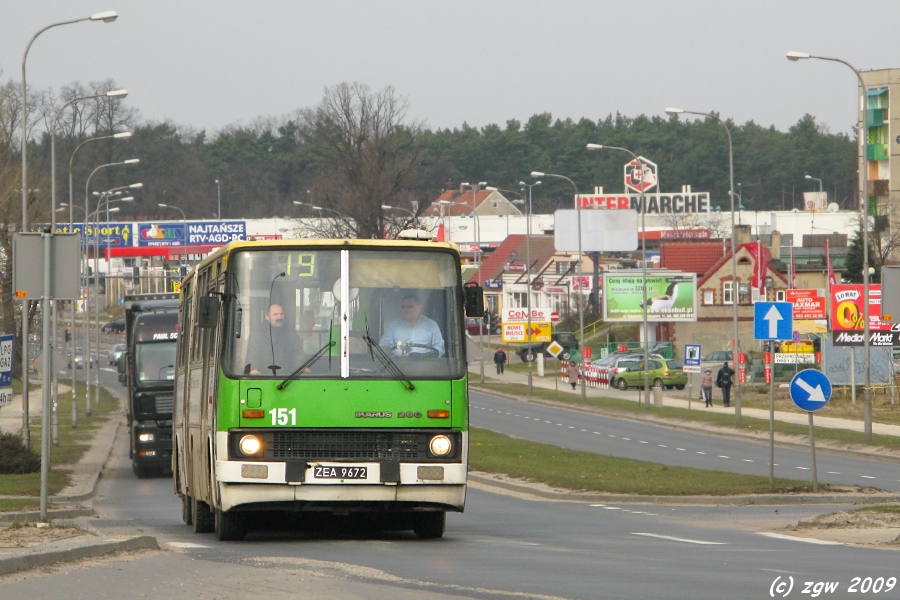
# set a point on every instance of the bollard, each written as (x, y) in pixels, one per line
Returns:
(657, 396)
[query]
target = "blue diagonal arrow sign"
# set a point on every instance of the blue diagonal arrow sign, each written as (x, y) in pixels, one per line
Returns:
(810, 390)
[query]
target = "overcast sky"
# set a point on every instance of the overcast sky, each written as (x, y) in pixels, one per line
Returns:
(212, 63)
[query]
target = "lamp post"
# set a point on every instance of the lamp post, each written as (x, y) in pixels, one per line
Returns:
(87, 337)
(815, 179)
(107, 17)
(523, 185)
(104, 196)
(538, 174)
(475, 187)
(735, 296)
(181, 262)
(219, 197)
(72, 206)
(864, 201)
(411, 213)
(646, 343)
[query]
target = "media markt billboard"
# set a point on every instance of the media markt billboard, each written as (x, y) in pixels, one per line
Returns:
(671, 296)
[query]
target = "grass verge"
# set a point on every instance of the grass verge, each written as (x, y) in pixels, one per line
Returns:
(583, 471)
(73, 443)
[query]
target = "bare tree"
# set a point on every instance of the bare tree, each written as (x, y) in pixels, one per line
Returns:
(365, 155)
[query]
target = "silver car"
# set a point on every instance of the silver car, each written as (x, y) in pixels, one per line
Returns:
(115, 353)
(79, 358)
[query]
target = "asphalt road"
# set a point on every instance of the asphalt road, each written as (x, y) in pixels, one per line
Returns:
(502, 547)
(644, 441)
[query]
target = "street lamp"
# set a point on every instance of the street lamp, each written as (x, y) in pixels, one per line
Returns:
(864, 184)
(107, 17)
(181, 261)
(735, 296)
(111, 94)
(412, 214)
(475, 187)
(72, 206)
(523, 185)
(815, 179)
(219, 196)
(87, 339)
(646, 336)
(538, 174)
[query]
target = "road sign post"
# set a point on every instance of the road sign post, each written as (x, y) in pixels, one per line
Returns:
(772, 321)
(810, 391)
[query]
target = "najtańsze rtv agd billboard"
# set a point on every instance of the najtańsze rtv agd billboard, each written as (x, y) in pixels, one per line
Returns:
(670, 296)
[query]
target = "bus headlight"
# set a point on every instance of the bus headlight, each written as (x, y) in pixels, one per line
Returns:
(146, 437)
(250, 445)
(440, 445)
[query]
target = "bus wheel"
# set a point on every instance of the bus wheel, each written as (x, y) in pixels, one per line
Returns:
(230, 526)
(429, 525)
(186, 514)
(202, 517)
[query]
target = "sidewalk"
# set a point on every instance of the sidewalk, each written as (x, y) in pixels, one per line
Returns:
(551, 380)
(70, 508)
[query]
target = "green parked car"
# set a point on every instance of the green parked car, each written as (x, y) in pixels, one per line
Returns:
(664, 372)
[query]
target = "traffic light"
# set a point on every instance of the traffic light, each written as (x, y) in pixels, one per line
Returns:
(487, 317)
(183, 271)
(68, 335)
(136, 273)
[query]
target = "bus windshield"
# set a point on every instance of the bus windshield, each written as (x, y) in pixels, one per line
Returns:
(364, 313)
(155, 361)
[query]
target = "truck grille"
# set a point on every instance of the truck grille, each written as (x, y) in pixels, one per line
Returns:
(164, 405)
(347, 445)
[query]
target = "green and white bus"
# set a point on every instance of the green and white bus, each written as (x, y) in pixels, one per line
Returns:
(352, 400)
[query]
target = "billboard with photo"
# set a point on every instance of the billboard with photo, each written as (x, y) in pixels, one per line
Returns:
(671, 296)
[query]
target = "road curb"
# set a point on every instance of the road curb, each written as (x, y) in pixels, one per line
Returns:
(35, 516)
(42, 559)
(744, 500)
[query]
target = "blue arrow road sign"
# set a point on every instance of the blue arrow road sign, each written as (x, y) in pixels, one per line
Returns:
(810, 390)
(773, 320)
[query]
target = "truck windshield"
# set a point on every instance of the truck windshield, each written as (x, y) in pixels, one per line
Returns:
(155, 361)
(285, 306)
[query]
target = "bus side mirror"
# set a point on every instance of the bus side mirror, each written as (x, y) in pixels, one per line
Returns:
(209, 312)
(474, 300)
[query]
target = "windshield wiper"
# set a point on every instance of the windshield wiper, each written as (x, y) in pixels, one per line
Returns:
(309, 362)
(387, 361)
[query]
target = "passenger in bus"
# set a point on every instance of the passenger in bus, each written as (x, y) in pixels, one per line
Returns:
(276, 349)
(413, 328)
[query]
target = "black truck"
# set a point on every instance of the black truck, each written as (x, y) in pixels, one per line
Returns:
(147, 369)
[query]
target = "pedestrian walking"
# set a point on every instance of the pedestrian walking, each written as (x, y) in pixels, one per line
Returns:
(724, 381)
(706, 384)
(572, 373)
(499, 359)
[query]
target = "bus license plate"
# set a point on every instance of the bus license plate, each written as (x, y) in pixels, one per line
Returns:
(338, 472)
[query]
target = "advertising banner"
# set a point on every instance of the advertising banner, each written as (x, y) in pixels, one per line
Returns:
(671, 296)
(847, 314)
(156, 233)
(807, 304)
(111, 235)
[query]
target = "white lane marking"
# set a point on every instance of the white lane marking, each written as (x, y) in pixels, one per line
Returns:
(643, 442)
(868, 477)
(802, 468)
(781, 536)
(186, 545)
(662, 446)
(677, 539)
(700, 452)
(571, 427)
(723, 456)
(748, 460)
(597, 505)
(681, 449)
(611, 508)
(626, 439)
(584, 431)
(833, 472)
